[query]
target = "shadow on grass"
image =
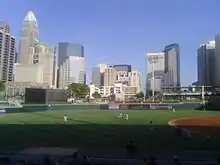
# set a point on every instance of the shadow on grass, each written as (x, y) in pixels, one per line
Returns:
(96, 136)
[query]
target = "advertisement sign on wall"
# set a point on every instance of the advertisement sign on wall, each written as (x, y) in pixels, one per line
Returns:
(2, 111)
(161, 107)
(113, 106)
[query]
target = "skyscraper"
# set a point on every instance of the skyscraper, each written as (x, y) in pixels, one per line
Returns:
(7, 53)
(155, 71)
(172, 65)
(217, 61)
(71, 71)
(205, 63)
(110, 76)
(66, 49)
(28, 37)
(71, 64)
(96, 76)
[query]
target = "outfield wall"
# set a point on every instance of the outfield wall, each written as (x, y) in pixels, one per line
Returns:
(36, 108)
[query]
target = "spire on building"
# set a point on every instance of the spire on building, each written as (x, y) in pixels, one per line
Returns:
(30, 17)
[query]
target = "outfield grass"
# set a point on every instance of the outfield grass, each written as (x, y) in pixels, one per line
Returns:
(97, 129)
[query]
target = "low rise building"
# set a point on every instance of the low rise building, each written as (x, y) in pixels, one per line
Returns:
(122, 91)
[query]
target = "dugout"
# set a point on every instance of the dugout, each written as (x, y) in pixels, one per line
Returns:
(44, 96)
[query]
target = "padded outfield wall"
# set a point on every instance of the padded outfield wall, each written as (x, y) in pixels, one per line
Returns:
(36, 108)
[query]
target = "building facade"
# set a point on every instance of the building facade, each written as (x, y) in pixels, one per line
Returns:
(66, 50)
(205, 63)
(44, 55)
(28, 37)
(122, 67)
(155, 71)
(110, 76)
(217, 61)
(71, 71)
(96, 76)
(71, 64)
(172, 65)
(7, 53)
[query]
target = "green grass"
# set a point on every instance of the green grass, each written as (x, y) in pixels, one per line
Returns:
(97, 129)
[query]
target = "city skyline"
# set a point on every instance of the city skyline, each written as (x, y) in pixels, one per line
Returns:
(101, 38)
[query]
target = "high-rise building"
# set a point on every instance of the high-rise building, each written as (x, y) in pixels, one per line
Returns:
(205, 63)
(172, 65)
(71, 61)
(122, 67)
(96, 76)
(66, 49)
(217, 61)
(29, 36)
(44, 55)
(110, 76)
(71, 71)
(7, 53)
(135, 80)
(155, 71)
(102, 70)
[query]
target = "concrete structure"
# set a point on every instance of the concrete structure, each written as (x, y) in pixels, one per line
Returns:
(18, 88)
(122, 67)
(71, 71)
(110, 76)
(122, 91)
(205, 64)
(102, 70)
(96, 76)
(172, 65)
(122, 76)
(45, 56)
(28, 73)
(28, 37)
(155, 71)
(71, 64)
(135, 80)
(7, 53)
(217, 61)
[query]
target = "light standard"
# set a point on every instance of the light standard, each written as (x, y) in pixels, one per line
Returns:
(153, 77)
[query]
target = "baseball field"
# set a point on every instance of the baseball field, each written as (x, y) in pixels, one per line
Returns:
(104, 129)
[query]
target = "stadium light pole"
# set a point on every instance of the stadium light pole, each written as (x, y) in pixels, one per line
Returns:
(153, 78)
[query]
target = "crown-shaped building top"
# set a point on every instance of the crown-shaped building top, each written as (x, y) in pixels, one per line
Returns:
(30, 17)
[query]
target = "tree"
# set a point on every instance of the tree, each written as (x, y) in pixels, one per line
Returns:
(112, 95)
(140, 95)
(96, 95)
(2, 86)
(77, 90)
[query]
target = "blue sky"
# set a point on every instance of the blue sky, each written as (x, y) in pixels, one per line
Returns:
(122, 31)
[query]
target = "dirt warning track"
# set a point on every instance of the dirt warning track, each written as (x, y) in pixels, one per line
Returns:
(199, 125)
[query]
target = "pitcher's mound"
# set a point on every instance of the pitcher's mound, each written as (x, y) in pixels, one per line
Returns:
(200, 125)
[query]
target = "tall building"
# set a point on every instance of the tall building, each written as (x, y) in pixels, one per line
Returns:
(44, 55)
(96, 76)
(110, 76)
(102, 68)
(122, 67)
(172, 65)
(28, 37)
(135, 80)
(70, 60)
(71, 71)
(155, 71)
(66, 49)
(217, 61)
(205, 63)
(7, 53)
